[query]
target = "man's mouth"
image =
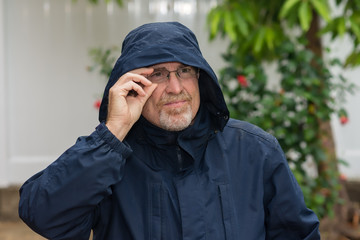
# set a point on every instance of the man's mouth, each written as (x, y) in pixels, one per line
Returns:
(177, 103)
(174, 101)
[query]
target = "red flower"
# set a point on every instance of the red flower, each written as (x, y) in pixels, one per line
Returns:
(97, 104)
(242, 81)
(343, 177)
(344, 120)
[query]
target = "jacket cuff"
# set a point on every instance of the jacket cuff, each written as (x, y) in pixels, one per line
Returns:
(118, 146)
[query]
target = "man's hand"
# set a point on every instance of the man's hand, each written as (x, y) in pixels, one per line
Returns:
(126, 100)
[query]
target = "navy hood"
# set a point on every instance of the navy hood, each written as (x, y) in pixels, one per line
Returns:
(161, 42)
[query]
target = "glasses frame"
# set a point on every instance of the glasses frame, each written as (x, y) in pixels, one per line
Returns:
(177, 71)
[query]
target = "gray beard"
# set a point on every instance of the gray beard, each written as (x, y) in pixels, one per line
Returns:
(176, 119)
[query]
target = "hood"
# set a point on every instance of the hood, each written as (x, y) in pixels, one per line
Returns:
(161, 42)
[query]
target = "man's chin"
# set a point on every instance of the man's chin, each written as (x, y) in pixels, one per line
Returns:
(175, 120)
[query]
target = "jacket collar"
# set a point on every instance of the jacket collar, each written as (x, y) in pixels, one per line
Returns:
(192, 140)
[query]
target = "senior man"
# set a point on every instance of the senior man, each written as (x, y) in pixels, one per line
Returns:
(166, 161)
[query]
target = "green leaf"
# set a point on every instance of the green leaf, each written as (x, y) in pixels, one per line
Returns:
(288, 5)
(119, 2)
(309, 134)
(305, 15)
(329, 27)
(341, 28)
(214, 18)
(259, 40)
(229, 26)
(298, 176)
(353, 60)
(321, 8)
(343, 162)
(270, 37)
(248, 14)
(319, 199)
(242, 25)
(355, 28)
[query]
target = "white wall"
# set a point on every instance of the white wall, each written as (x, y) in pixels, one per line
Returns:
(3, 99)
(47, 95)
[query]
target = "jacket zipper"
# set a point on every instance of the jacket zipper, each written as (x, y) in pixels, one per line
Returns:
(179, 158)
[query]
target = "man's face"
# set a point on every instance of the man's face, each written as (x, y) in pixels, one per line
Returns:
(174, 103)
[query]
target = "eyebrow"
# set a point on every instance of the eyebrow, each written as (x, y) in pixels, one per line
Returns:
(159, 69)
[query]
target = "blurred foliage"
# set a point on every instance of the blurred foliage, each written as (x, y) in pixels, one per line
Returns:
(103, 60)
(278, 32)
(258, 28)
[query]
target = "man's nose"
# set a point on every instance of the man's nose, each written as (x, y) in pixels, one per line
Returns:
(174, 84)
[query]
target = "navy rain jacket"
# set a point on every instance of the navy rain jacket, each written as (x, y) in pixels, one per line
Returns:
(218, 179)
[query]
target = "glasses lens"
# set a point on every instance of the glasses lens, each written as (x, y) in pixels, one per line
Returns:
(158, 75)
(186, 72)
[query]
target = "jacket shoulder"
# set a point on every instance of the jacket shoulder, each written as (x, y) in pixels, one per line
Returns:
(250, 130)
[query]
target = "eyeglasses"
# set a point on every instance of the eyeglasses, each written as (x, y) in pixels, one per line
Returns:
(162, 74)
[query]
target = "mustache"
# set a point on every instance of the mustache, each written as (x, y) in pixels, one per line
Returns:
(182, 96)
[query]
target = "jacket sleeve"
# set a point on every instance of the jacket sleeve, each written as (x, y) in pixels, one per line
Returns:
(60, 201)
(287, 216)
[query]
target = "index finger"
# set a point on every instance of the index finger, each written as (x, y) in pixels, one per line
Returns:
(137, 75)
(143, 71)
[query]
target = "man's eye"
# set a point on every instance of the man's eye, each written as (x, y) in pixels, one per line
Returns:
(156, 74)
(185, 70)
